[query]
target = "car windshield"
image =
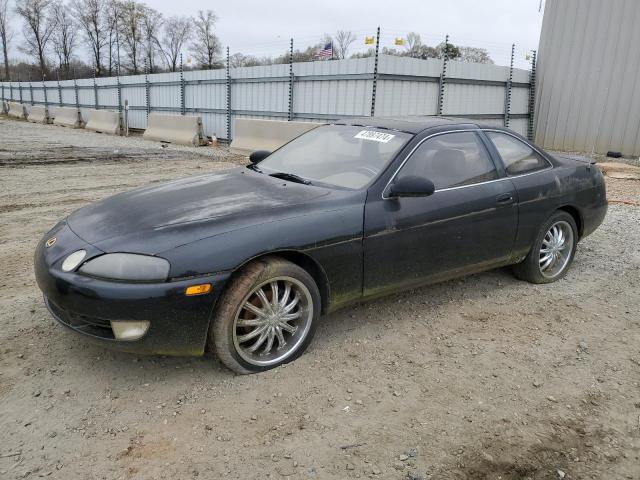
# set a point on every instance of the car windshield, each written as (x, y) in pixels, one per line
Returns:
(340, 155)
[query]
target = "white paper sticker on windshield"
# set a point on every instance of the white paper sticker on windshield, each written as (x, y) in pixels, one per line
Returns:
(375, 136)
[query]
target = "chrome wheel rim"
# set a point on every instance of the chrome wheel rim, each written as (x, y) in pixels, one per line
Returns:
(272, 321)
(556, 249)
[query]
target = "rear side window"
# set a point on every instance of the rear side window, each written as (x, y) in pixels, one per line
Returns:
(517, 156)
(451, 160)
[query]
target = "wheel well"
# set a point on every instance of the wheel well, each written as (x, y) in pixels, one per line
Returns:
(575, 213)
(311, 266)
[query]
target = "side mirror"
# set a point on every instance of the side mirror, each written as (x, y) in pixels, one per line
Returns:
(259, 155)
(412, 186)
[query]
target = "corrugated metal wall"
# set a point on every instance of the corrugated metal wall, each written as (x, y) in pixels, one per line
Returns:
(588, 76)
(321, 90)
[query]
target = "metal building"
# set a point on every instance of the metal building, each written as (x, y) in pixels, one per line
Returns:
(588, 76)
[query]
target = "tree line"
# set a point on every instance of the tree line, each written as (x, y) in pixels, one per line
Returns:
(104, 37)
(342, 42)
(57, 35)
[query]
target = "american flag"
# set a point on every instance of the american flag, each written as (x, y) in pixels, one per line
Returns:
(325, 52)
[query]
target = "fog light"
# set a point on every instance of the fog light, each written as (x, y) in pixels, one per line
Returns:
(129, 330)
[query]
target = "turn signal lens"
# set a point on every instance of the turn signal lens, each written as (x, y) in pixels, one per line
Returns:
(73, 260)
(198, 289)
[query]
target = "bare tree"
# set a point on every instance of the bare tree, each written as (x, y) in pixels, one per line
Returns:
(206, 46)
(175, 33)
(343, 41)
(64, 36)
(112, 10)
(152, 22)
(474, 55)
(91, 16)
(39, 26)
(413, 42)
(241, 60)
(5, 33)
(131, 32)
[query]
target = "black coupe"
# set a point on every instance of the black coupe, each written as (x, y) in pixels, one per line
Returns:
(244, 262)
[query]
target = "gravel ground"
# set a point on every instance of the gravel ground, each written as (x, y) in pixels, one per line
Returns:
(484, 377)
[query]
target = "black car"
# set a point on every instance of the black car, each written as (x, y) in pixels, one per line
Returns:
(245, 262)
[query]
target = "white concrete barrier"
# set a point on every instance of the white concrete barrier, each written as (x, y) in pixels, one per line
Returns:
(39, 114)
(251, 134)
(5, 106)
(180, 129)
(17, 110)
(68, 117)
(104, 121)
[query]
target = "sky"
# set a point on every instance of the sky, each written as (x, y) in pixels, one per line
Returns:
(262, 27)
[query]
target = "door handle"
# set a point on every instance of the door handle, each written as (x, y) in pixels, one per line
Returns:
(505, 199)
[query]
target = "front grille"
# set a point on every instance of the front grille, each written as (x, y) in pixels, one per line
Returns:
(94, 326)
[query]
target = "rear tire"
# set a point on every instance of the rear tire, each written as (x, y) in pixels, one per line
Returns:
(266, 316)
(552, 252)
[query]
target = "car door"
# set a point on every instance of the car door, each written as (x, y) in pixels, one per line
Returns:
(536, 182)
(469, 223)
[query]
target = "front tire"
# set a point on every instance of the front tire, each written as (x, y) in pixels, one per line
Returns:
(266, 317)
(552, 252)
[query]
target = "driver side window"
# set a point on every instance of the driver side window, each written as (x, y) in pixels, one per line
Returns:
(451, 160)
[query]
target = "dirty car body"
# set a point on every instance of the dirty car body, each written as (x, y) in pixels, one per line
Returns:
(356, 239)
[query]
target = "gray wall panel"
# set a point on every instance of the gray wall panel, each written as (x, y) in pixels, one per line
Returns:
(587, 88)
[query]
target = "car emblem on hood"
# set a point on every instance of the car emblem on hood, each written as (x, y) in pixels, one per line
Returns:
(50, 242)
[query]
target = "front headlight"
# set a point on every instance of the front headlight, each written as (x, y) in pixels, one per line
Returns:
(127, 266)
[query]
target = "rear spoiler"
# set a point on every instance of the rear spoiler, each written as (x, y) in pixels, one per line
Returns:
(576, 158)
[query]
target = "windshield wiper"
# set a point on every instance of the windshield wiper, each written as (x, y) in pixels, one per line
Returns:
(254, 168)
(291, 177)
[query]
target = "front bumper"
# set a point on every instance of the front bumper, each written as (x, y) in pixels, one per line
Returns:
(178, 324)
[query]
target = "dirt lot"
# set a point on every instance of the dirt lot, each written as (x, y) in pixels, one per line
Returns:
(483, 378)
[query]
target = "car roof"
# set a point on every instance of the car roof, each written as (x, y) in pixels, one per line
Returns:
(411, 124)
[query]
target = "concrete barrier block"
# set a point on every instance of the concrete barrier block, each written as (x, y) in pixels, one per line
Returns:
(5, 107)
(17, 110)
(251, 134)
(104, 121)
(179, 129)
(39, 114)
(68, 117)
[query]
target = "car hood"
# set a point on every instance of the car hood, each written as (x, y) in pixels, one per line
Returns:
(159, 217)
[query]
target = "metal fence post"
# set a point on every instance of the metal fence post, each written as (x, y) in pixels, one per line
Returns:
(182, 106)
(532, 98)
(20, 88)
(11, 89)
(30, 90)
(119, 88)
(228, 97)
(443, 76)
(95, 90)
(290, 114)
(75, 89)
(126, 119)
(375, 74)
(147, 90)
(59, 89)
(507, 98)
(44, 92)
